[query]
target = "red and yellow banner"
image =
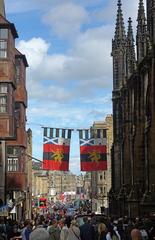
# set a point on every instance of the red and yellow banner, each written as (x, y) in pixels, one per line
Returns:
(93, 155)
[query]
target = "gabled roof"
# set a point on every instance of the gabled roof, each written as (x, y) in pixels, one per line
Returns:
(22, 56)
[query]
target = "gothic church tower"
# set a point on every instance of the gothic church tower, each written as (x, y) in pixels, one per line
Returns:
(133, 152)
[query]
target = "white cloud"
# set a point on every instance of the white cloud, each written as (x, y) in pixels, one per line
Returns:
(66, 19)
(35, 51)
(63, 115)
(87, 66)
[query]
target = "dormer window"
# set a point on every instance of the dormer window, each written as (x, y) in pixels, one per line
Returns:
(3, 42)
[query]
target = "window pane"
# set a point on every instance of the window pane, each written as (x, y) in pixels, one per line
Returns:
(13, 164)
(13, 151)
(3, 33)
(17, 73)
(3, 88)
(2, 99)
(9, 164)
(10, 150)
(104, 133)
(3, 44)
(3, 104)
(3, 54)
(3, 109)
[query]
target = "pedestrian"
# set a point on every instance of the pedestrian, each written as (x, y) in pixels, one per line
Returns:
(144, 233)
(15, 234)
(53, 230)
(64, 230)
(111, 235)
(135, 234)
(117, 233)
(26, 230)
(2, 228)
(152, 233)
(74, 231)
(87, 230)
(39, 234)
(102, 232)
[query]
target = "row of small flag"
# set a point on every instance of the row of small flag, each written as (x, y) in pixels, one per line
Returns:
(56, 149)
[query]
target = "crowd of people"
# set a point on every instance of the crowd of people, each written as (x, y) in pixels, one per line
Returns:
(60, 227)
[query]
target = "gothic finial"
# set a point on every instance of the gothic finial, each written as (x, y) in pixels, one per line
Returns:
(130, 30)
(131, 60)
(119, 4)
(2, 8)
(119, 38)
(130, 38)
(119, 50)
(141, 11)
(141, 32)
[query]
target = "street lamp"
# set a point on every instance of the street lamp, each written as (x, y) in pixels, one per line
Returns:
(101, 197)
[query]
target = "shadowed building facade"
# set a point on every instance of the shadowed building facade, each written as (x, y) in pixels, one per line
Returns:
(133, 151)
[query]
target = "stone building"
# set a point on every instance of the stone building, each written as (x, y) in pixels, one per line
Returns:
(53, 183)
(40, 183)
(13, 104)
(133, 152)
(28, 170)
(63, 182)
(101, 180)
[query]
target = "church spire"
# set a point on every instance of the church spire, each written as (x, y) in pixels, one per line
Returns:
(141, 32)
(131, 60)
(2, 8)
(119, 50)
(119, 38)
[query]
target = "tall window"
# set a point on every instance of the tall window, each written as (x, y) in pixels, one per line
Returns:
(3, 104)
(3, 43)
(13, 165)
(101, 177)
(3, 98)
(12, 157)
(100, 190)
(17, 70)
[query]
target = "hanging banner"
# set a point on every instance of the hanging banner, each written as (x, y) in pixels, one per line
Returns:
(56, 149)
(93, 151)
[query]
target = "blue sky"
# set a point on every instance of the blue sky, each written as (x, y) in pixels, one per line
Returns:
(68, 45)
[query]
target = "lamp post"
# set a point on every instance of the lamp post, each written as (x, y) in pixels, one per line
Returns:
(101, 197)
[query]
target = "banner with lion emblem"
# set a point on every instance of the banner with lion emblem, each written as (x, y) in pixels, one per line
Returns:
(93, 149)
(56, 149)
